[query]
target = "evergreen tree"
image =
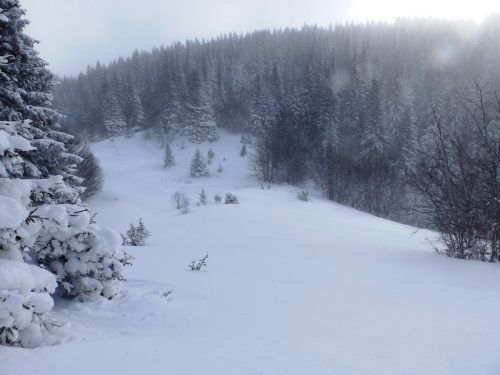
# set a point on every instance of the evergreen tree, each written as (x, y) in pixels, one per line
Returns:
(136, 236)
(374, 140)
(35, 173)
(198, 166)
(134, 110)
(168, 159)
(243, 151)
(25, 93)
(202, 199)
(199, 125)
(171, 116)
(113, 120)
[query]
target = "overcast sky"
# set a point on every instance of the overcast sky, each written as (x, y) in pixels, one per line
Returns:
(75, 33)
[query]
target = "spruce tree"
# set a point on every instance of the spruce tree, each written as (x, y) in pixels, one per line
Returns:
(171, 112)
(168, 159)
(113, 119)
(200, 124)
(35, 173)
(202, 199)
(198, 167)
(210, 154)
(243, 151)
(25, 92)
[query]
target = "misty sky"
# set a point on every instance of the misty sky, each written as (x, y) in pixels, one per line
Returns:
(75, 33)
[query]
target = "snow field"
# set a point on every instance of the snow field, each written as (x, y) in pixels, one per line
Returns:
(290, 287)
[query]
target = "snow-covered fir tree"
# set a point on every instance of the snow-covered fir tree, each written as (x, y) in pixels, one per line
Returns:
(202, 198)
(198, 166)
(168, 158)
(112, 115)
(210, 154)
(199, 125)
(41, 219)
(137, 236)
(243, 151)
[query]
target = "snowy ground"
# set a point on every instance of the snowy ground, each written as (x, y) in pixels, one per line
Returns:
(291, 287)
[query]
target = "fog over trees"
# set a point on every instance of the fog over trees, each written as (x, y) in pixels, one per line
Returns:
(364, 110)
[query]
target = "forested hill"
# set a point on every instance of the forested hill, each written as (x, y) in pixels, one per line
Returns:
(349, 106)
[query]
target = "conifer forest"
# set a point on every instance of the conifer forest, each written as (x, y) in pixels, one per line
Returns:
(364, 110)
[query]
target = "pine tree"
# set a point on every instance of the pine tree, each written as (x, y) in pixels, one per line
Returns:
(198, 167)
(168, 159)
(171, 113)
(202, 199)
(25, 92)
(114, 123)
(243, 151)
(260, 111)
(374, 140)
(35, 170)
(200, 124)
(135, 119)
(137, 235)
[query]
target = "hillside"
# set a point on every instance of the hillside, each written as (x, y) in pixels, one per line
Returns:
(290, 287)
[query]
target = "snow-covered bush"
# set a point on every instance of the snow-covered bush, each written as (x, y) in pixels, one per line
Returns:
(303, 195)
(185, 205)
(217, 198)
(89, 169)
(136, 236)
(231, 199)
(86, 259)
(202, 199)
(177, 199)
(220, 169)
(25, 301)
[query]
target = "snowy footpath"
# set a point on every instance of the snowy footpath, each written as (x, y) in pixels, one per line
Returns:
(290, 287)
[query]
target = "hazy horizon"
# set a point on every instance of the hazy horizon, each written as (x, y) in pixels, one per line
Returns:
(75, 34)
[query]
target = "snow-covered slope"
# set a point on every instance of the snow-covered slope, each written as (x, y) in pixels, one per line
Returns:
(290, 287)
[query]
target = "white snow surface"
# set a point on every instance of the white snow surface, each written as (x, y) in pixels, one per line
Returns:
(290, 287)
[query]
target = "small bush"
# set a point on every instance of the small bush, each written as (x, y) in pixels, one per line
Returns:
(185, 205)
(221, 168)
(176, 199)
(210, 154)
(217, 198)
(136, 236)
(231, 199)
(201, 263)
(202, 199)
(303, 195)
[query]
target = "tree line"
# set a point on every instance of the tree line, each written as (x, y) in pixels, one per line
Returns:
(355, 107)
